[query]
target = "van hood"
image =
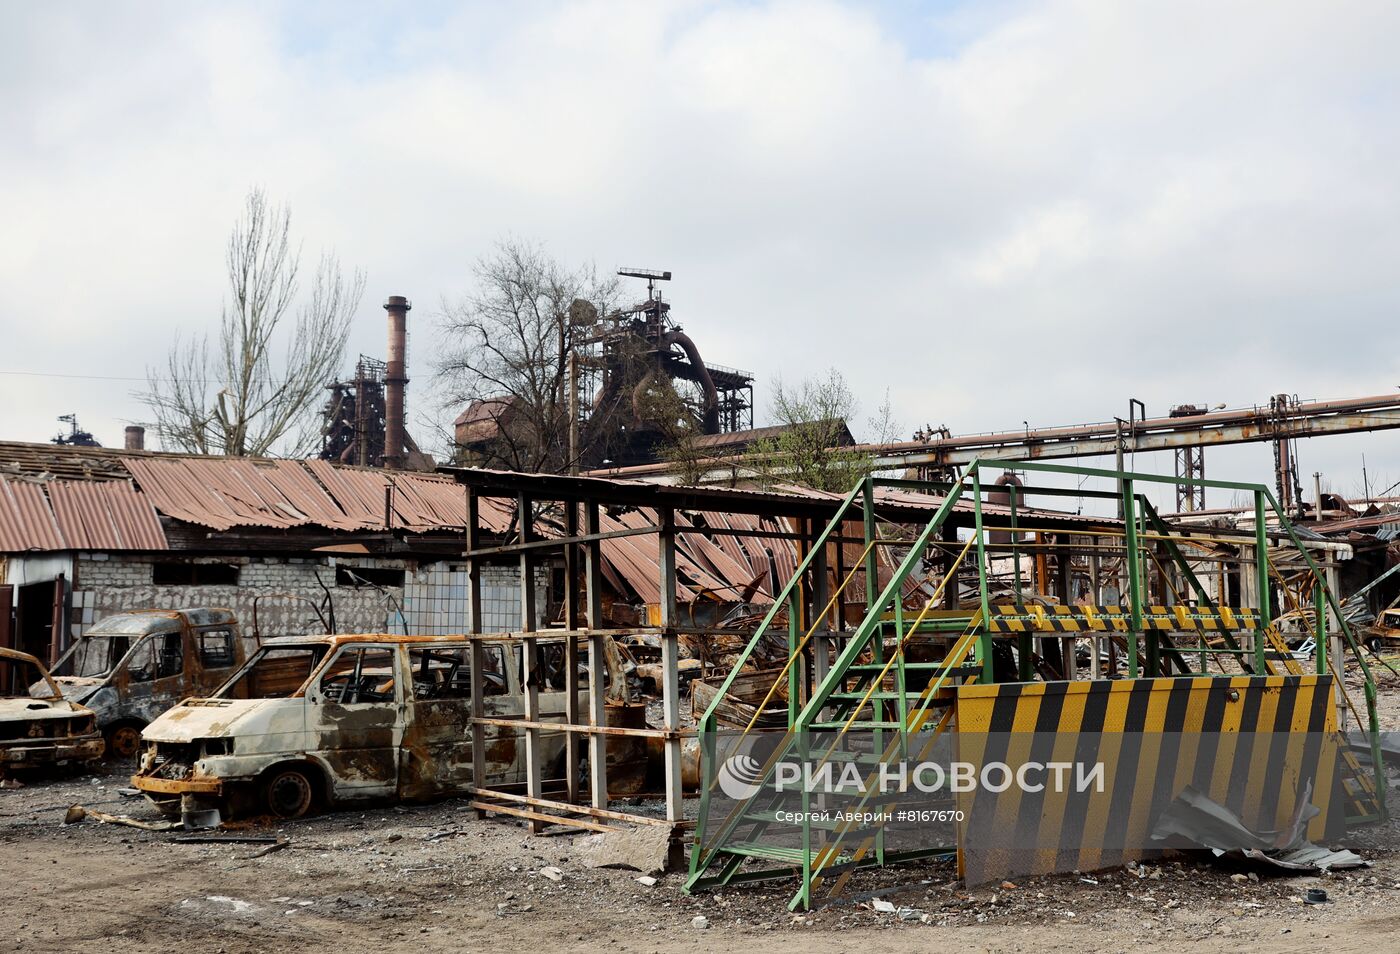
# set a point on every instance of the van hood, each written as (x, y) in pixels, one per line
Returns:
(78, 688)
(201, 719)
(14, 709)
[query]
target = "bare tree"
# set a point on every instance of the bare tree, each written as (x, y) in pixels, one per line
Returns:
(254, 391)
(808, 451)
(509, 352)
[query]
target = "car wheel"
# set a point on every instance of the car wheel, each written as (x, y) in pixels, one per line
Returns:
(123, 742)
(288, 793)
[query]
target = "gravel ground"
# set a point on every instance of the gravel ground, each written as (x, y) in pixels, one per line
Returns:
(440, 879)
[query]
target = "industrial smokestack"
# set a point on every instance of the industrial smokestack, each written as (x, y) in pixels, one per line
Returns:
(395, 380)
(135, 437)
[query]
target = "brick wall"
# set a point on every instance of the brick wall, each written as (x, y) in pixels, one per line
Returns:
(433, 601)
(279, 587)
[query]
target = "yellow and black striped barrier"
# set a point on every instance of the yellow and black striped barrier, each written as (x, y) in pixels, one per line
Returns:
(1257, 745)
(1030, 618)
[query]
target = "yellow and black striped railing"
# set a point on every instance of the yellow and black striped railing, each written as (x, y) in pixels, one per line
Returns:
(1033, 618)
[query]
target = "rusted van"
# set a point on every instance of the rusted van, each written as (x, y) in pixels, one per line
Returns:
(128, 668)
(332, 720)
(38, 726)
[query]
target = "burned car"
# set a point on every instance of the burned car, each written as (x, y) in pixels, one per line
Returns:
(128, 668)
(38, 726)
(1384, 633)
(323, 721)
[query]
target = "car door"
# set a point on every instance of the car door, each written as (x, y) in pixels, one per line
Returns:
(436, 757)
(152, 677)
(355, 714)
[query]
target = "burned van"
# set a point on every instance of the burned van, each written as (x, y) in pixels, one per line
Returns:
(128, 668)
(38, 726)
(332, 720)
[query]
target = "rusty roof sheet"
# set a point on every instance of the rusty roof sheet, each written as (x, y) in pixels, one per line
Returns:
(105, 516)
(421, 502)
(76, 515)
(226, 492)
(26, 521)
(220, 493)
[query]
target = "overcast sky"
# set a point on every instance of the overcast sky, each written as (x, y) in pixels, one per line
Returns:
(1001, 212)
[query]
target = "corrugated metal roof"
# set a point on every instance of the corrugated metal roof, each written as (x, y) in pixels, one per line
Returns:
(226, 492)
(26, 522)
(76, 515)
(105, 516)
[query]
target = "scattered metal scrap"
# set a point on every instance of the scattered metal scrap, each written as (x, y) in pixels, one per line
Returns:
(1206, 823)
(78, 813)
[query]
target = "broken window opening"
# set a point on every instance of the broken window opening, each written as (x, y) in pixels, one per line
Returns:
(194, 574)
(360, 674)
(368, 576)
(215, 648)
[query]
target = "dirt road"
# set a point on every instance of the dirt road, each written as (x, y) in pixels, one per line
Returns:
(436, 878)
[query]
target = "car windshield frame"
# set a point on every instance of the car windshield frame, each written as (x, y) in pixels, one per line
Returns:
(326, 648)
(134, 626)
(84, 644)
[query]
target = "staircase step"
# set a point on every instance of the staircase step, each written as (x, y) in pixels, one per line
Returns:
(880, 667)
(843, 756)
(879, 695)
(792, 856)
(858, 724)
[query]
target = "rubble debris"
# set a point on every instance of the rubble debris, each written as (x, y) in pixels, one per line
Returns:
(277, 845)
(881, 906)
(644, 848)
(1204, 822)
(552, 873)
(78, 813)
(226, 839)
(739, 707)
(700, 922)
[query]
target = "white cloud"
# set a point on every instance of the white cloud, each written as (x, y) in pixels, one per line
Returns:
(1022, 212)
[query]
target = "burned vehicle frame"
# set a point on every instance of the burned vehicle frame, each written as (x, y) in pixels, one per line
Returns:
(128, 668)
(38, 726)
(326, 721)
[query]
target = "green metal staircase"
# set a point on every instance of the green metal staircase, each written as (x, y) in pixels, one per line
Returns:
(864, 698)
(874, 704)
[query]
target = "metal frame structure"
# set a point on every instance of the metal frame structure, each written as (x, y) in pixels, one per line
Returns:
(841, 678)
(577, 503)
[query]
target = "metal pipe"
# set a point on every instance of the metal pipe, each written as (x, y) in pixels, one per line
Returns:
(710, 420)
(1376, 412)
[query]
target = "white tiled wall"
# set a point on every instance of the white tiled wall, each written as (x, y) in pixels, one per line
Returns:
(436, 599)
